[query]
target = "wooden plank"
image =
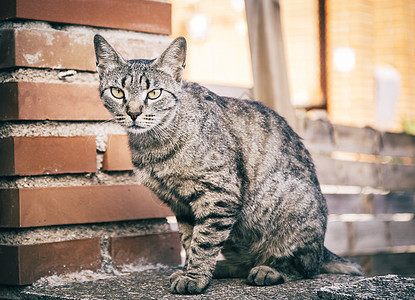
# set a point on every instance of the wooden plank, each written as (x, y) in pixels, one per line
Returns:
(317, 135)
(386, 263)
(357, 140)
(326, 137)
(394, 202)
(398, 145)
(388, 176)
(369, 236)
(402, 233)
(398, 177)
(345, 204)
(336, 237)
(336, 172)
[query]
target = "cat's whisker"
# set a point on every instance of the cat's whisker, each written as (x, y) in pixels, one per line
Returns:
(156, 132)
(112, 120)
(172, 141)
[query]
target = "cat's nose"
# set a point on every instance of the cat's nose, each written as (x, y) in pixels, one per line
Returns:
(134, 112)
(134, 115)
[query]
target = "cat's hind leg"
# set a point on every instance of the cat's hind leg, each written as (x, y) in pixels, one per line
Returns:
(304, 263)
(264, 275)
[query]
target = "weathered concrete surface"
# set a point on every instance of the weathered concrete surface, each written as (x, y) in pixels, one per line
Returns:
(379, 287)
(153, 284)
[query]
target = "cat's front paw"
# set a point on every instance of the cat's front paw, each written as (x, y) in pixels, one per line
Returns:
(182, 283)
(174, 276)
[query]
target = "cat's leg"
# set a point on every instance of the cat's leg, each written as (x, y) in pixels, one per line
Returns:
(304, 263)
(186, 232)
(264, 275)
(213, 223)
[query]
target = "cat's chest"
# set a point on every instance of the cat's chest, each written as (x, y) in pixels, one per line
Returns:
(170, 184)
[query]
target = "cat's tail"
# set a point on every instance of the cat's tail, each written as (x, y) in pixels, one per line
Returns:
(333, 263)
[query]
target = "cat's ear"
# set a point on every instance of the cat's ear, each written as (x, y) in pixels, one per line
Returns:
(106, 56)
(173, 59)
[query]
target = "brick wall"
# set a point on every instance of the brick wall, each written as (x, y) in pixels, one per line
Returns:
(68, 197)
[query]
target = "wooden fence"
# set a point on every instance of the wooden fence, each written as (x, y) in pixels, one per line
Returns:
(368, 178)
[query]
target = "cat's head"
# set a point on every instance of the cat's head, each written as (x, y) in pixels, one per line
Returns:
(140, 94)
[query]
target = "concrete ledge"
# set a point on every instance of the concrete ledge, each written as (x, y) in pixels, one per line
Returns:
(379, 287)
(153, 284)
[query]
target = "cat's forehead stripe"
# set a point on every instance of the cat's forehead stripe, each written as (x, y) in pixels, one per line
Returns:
(124, 81)
(144, 79)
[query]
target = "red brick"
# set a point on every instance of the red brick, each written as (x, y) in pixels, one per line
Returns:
(117, 157)
(162, 248)
(51, 101)
(47, 155)
(144, 15)
(50, 48)
(9, 208)
(31, 207)
(7, 48)
(24, 264)
(7, 156)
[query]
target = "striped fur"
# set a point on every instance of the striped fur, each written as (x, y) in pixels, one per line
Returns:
(239, 180)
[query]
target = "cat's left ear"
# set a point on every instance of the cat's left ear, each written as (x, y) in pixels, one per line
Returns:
(173, 59)
(106, 56)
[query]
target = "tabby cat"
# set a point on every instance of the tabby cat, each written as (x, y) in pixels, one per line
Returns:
(237, 177)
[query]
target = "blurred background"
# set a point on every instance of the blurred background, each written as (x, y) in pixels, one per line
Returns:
(349, 61)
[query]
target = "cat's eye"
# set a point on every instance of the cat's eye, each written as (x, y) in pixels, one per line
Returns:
(117, 93)
(154, 94)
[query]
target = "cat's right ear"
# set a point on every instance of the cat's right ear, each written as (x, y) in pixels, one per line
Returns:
(106, 56)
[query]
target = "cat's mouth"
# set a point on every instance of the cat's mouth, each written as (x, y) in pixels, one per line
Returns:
(137, 129)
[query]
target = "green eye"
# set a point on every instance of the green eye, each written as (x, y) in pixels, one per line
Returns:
(117, 93)
(154, 94)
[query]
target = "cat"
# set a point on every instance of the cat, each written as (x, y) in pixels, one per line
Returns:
(238, 178)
